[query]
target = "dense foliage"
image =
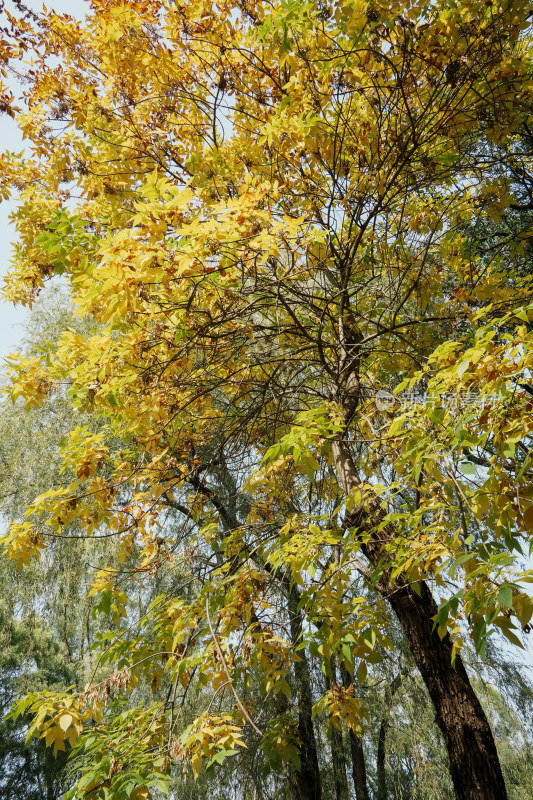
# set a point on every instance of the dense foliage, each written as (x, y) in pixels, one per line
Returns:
(271, 217)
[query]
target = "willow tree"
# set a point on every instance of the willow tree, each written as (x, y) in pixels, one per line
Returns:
(261, 204)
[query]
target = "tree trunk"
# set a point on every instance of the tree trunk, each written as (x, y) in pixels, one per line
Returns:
(381, 775)
(357, 753)
(382, 740)
(309, 786)
(339, 765)
(358, 767)
(338, 760)
(474, 763)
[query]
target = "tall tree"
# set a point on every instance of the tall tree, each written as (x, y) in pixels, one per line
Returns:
(261, 205)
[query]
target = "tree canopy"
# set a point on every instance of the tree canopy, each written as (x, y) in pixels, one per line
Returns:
(297, 234)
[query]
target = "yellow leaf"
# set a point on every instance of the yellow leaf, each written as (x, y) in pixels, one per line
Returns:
(196, 764)
(528, 518)
(523, 605)
(65, 721)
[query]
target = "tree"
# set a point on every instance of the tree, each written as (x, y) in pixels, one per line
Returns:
(45, 623)
(261, 205)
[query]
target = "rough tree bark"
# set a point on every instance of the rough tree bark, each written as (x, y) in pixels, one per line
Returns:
(474, 764)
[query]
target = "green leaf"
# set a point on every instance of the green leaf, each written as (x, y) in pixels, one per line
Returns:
(347, 652)
(505, 597)
(436, 415)
(509, 449)
(457, 563)
(442, 614)
(467, 468)
(511, 637)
